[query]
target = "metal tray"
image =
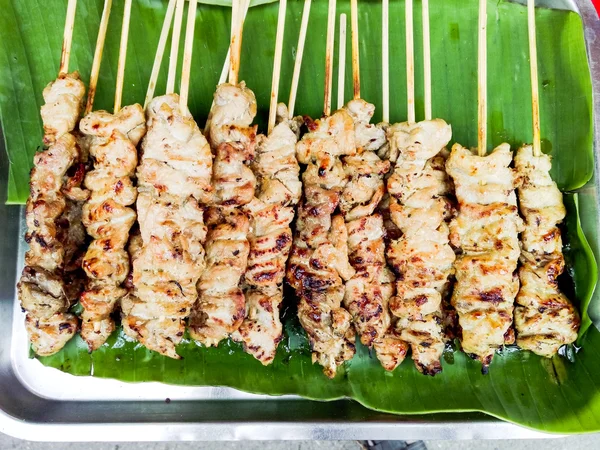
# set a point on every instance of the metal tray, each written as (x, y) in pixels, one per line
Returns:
(40, 403)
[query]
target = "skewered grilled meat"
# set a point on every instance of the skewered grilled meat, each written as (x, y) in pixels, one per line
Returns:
(107, 215)
(421, 257)
(219, 310)
(62, 107)
(174, 176)
(221, 306)
(318, 263)
(486, 232)
(48, 286)
(545, 319)
(370, 289)
(271, 212)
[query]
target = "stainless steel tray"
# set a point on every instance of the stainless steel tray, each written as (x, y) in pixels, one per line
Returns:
(39, 403)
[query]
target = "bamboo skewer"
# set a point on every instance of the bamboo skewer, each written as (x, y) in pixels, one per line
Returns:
(535, 92)
(482, 79)
(97, 57)
(299, 54)
(410, 62)
(67, 37)
(122, 55)
(355, 48)
(385, 59)
(237, 27)
(225, 70)
(175, 47)
(277, 64)
(187, 56)
(329, 57)
(427, 60)
(341, 61)
(160, 51)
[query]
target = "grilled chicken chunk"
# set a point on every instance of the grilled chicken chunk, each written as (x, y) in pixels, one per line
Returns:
(107, 215)
(486, 233)
(49, 284)
(173, 182)
(545, 319)
(270, 237)
(421, 257)
(318, 264)
(220, 308)
(62, 106)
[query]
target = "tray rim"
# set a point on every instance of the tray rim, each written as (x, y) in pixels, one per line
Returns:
(377, 426)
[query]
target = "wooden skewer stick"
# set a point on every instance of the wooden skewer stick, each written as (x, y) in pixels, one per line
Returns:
(355, 49)
(225, 70)
(410, 62)
(277, 64)
(329, 57)
(175, 47)
(385, 59)
(427, 60)
(342, 61)
(482, 79)
(237, 28)
(299, 54)
(98, 57)
(122, 55)
(160, 51)
(67, 37)
(187, 56)
(535, 90)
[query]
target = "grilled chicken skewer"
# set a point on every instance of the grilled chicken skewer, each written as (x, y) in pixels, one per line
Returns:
(421, 257)
(49, 283)
(221, 308)
(368, 292)
(318, 265)
(107, 214)
(174, 180)
(271, 211)
(545, 319)
(485, 232)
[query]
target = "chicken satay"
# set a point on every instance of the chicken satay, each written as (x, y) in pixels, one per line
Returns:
(62, 106)
(319, 264)
(174, 179)
(369, 291)
(545, 319)
(486, 233)
(271, 212)
(220, 308)
(49, 285)
(108, 216)
(421, 257)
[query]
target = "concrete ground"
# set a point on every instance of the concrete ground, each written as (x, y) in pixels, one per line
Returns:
(590, 442)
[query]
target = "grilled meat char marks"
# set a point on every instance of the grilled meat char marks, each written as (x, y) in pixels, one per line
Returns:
(108, 215)
(174, 181)
(545, 319)
(421, 256)
(318, 264)
(221, 306)
(486, 233)
(49, 283)
(271, 211)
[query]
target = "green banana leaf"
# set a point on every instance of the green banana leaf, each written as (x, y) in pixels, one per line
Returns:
(559, 395)
(31, 32)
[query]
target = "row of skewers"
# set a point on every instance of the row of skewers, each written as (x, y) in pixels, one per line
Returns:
(396, 239)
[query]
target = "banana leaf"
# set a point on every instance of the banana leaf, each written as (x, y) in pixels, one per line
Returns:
(560, 395)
